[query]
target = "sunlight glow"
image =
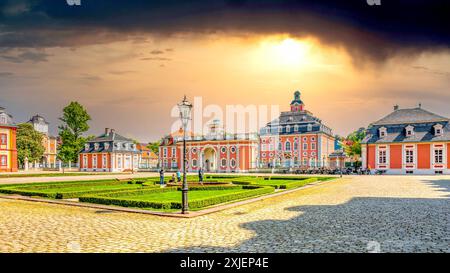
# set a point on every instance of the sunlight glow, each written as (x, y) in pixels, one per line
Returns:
(288, 52)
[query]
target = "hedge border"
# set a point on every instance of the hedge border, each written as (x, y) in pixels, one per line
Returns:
(113, 198)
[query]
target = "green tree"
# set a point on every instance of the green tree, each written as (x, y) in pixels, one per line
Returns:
(75, 122)
(352, 144)
(154, 146)
(29, 143)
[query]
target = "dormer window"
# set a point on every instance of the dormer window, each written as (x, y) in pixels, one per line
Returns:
(96, 146)
(288, 129)
(117, 145)
(438, 130)
(409, 131)
(296, 128)
(383, 132)
(106, 146)
(309, 127)
(280, 129)
(86, 147)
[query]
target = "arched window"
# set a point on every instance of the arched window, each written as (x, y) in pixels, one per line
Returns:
(295, 146)
(233, 163)
(224, 162)
(288, 146)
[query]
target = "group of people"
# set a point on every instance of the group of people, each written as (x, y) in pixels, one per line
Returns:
(177, 177)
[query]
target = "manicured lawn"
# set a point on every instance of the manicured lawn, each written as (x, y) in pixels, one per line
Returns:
(169, 199)
(64, 190)
(19, 175)
(99, 188)
(175, 196)
(145, 193)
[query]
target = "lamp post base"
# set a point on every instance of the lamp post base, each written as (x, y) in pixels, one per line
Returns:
(184, 201)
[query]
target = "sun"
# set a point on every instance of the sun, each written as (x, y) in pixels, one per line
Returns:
(284, 52)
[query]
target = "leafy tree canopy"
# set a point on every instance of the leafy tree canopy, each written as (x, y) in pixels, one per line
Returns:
(154, 146)
(29, 143)
(352, 144)
(74, 123)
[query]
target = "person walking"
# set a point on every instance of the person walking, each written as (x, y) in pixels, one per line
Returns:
(178, 176)
(200, 175)
(161, 178)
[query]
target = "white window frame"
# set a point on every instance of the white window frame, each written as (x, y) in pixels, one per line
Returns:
(410, 154)
(382, 156)
(104, 161)
(436, 156)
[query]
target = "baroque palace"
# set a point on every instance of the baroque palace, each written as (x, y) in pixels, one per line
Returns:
(8, 150)
(295, 139)
(408, 141)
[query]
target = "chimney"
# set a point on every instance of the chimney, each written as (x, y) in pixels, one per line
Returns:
(106, 131)
(396, 107)
(420, 105)
(112, 132)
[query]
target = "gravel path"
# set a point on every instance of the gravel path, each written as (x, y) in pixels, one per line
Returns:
(354, 214)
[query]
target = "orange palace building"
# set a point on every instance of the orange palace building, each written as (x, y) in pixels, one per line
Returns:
(8, 150)
(109, 152)
(295, 139)
(408, 141)
(215, 152)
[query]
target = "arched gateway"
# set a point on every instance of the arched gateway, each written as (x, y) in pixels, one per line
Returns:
(209, 159)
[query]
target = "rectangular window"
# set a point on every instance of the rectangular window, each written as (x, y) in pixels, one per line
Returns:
(3, 139)
(382, 157)
(165, 152)
(174, 152)
(313, 146)
(409, 156)
(305, 146)
(439, 156)
(94, 161)
(3, 160)
(85, 161)
(104, 162)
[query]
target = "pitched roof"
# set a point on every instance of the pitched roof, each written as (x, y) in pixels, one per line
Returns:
(110, 137)
(409, 116)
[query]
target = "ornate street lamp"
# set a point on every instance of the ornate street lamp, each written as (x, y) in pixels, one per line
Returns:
(185, 108)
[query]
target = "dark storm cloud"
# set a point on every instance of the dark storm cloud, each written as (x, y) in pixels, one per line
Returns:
(31, 56)
(367, 32)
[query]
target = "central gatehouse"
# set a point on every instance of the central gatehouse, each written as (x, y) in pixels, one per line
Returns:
(296, 139)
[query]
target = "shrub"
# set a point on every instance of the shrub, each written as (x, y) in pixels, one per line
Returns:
(212, 188)
(206, 202)
(300, 183)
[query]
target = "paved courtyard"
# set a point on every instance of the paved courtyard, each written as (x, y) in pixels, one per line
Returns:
(354, 214)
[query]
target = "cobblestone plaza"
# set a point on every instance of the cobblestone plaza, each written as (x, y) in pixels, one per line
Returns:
(353, 214)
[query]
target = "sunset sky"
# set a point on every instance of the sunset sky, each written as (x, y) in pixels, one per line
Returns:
(130, 62)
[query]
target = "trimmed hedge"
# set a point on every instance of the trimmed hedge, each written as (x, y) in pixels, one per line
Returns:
(57, 195)
(115, 198)
(298, 184)
(34, 189)
(213, 188)
(56, 183)
(206, 202)
(290, 184)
